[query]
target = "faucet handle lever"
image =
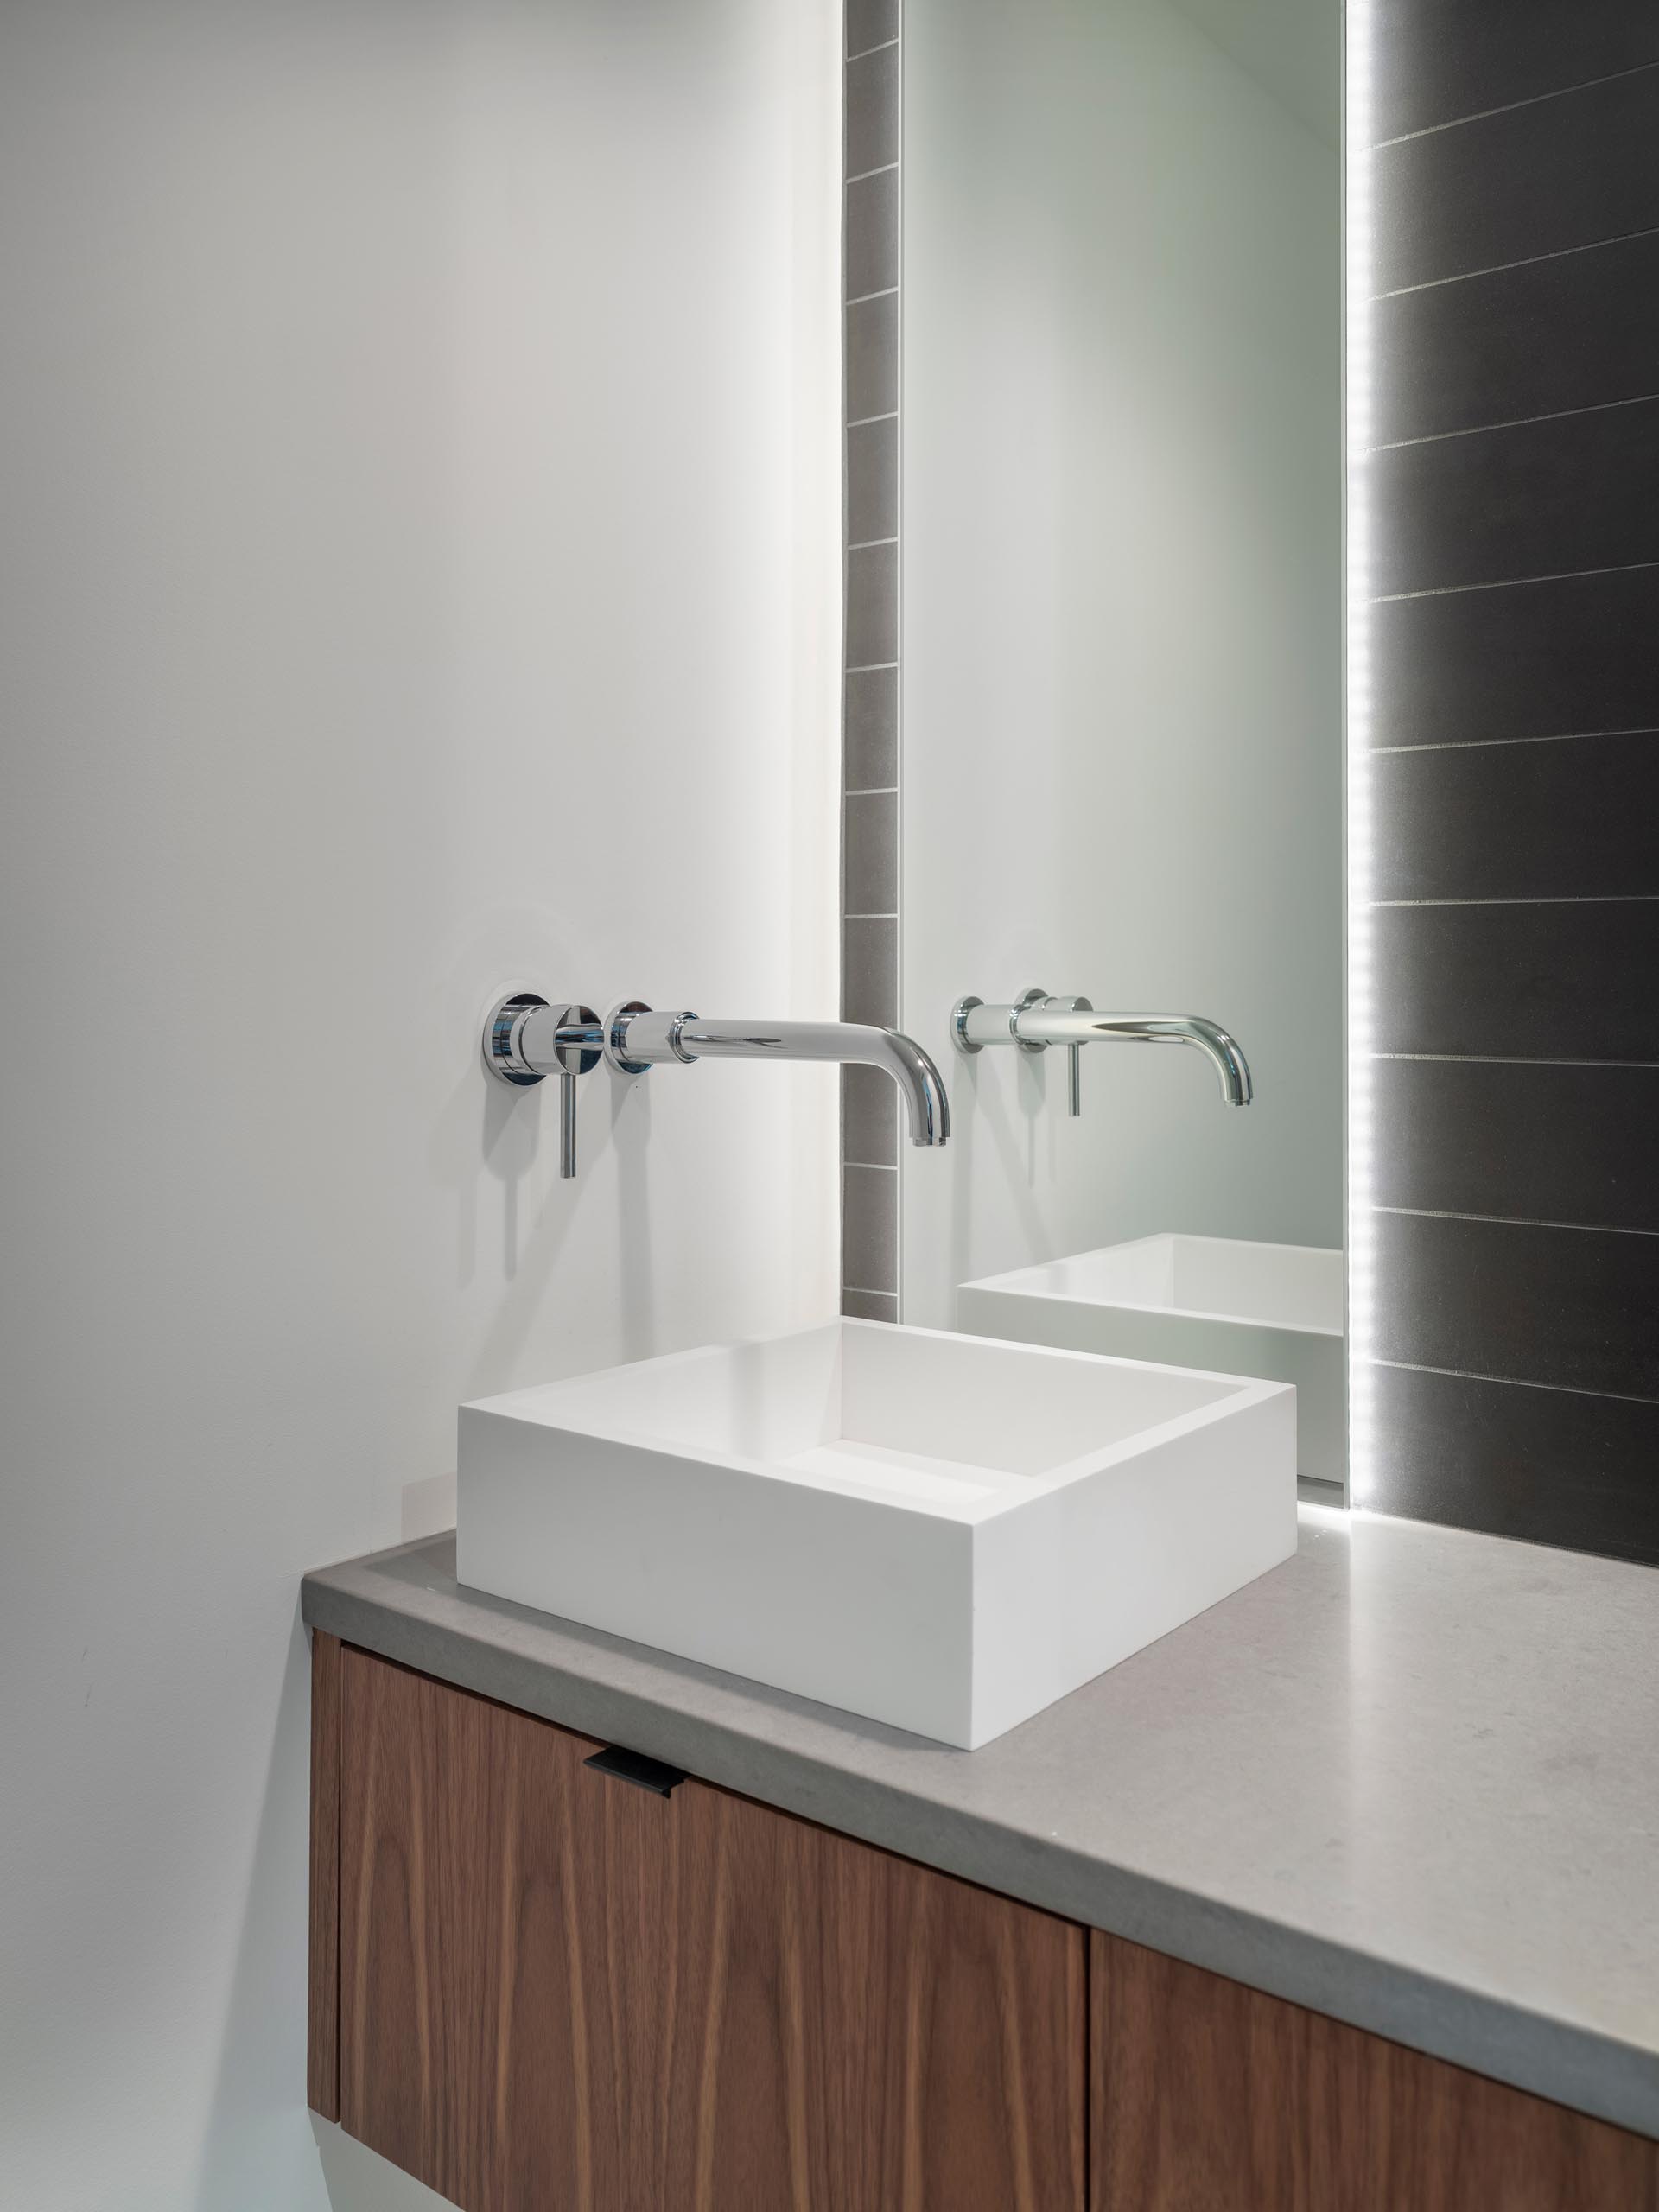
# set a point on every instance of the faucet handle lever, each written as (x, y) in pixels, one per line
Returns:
(576, 1049)
(1073, 1053)
(974, 1025)
(526, 1040)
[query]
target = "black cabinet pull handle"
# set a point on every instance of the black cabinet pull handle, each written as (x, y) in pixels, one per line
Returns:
(634, 1766)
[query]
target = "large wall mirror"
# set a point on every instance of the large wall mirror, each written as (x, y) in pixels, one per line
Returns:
(1121, 678)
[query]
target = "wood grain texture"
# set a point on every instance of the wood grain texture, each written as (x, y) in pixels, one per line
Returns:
(560, 1990)
(483, 2042)
(854, 2030)
(322, 1974)
(1210, 2097)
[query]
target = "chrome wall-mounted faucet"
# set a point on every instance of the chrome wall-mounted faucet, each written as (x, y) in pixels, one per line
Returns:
(525, 1040)
(1035, 1022)
(636, 1038)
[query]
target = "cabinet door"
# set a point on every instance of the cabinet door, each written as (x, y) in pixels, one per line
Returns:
(856, 2033)
(1207, 2094)
(560, 1993)
(503, 1920)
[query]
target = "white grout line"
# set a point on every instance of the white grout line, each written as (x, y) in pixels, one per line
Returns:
(1528, 261)
(1517, 422)
(1513, 583)
(871, 544)
(872, 791)
(882, 168)
(1517, 1221)
(864, 422)
(891, 1167)
(1516, 1381)
(865, 52)
(1508, 107)
(886, 292)
(1549, 737)
(1574, 899)
(869, 667)
(857, 1290)
(870, 918)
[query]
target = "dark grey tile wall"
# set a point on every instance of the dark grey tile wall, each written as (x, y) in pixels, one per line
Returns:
(870, 23)
(1572, 1309)
(1572, 170)
(872, 482)
(870, 751)
(869, 1226)
(870, 874)
(869, 945)
(1560, 657)
(870, 235)
(1573, 980)
(1520, 342)
(872, 358)
(1450, 1445)
(1500, 1140)
(1567, 494)
(872, 110)
(870, 972)
(1577, 818)
(872, 636)
(1514, 786)
(1436, 60)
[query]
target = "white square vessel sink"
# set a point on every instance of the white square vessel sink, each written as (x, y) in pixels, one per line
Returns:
(1272, 1309)
(930, 1529)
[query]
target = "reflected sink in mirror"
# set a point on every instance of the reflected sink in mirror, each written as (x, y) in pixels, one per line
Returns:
(929, 1530)
(1095, 769)
(1272, 1309)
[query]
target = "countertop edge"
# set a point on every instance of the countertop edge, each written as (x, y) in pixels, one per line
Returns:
(1570, 2065)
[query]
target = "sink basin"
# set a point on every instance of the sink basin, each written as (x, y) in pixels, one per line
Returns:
(1202, 1301)
(923, 1527)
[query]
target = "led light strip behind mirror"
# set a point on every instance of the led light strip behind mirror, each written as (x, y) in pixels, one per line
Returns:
(1361, 994)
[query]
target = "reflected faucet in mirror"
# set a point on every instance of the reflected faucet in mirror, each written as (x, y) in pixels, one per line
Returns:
(525, 1040)
(1036, 1020)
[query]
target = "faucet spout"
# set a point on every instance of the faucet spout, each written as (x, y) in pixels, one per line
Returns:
(637, 1038)
(1038, 1021)
(1038, 1026)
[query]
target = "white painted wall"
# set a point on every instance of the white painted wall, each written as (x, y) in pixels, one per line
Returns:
(1122, 625)
(418, 498)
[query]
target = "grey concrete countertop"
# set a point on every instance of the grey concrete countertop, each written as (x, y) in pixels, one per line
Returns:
(1410, 1778)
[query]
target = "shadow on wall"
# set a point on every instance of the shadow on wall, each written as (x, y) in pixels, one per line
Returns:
(256, 2154)
(265, 2148)
(358, 2181)
(630, 1132)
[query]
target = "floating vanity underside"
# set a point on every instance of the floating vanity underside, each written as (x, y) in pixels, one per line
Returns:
(1406, 1780)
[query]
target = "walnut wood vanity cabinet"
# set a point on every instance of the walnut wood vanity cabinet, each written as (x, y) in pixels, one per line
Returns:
(537, 1987)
